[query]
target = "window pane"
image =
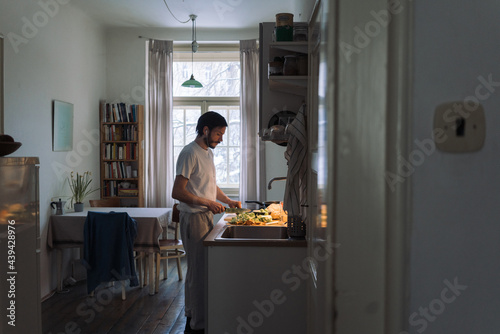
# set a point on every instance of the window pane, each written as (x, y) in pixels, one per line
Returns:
(220, 160)
(219, 78)
(179, 136)
(178, 115)
(234, 135)
(184, 127)
(234, 165)
(192, 115)
(178, 126)
(234, 114)
(177, 150)
(235, 127)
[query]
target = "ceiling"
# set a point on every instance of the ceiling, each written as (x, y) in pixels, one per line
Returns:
(217, 14)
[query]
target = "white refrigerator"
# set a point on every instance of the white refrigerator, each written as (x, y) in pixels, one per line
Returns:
(20, 305)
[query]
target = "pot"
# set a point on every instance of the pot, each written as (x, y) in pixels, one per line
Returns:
(263, 205)
(58, 206)
(78, 207)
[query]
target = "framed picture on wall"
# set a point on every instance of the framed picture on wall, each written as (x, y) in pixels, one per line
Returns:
(62, 126)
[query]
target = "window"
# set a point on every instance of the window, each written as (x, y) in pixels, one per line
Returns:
(219, 72)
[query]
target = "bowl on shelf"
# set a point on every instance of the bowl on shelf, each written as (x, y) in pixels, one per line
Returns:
(8, 145)
(8, 148)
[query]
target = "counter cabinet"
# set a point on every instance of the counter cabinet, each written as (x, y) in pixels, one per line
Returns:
(256, 287)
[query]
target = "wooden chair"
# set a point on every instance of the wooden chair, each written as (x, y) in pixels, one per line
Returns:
(111, 202)
(170, 249)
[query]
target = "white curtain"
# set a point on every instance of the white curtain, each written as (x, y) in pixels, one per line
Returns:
(159, 147)
(249, 106)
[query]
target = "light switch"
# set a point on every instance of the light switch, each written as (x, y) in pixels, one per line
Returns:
(459, 126)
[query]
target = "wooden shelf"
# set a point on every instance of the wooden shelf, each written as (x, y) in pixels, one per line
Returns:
(123, 167)
(289, 84)
(122, 160)
(118, 141)
(300, 47)
(118, 123)
(123, 179)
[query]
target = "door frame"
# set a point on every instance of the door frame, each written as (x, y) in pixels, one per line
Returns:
(367, 297)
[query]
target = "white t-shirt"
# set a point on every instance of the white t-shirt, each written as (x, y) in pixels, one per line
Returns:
(197, 165)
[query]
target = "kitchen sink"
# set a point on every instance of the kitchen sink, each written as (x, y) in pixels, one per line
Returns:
(242, 232)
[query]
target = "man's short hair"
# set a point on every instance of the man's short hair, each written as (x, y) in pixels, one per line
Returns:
(210, 119)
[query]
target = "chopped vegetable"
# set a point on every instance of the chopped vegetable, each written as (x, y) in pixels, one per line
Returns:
(250, 219)
(261, 212)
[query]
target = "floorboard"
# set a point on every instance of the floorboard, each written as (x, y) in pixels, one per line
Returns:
(107, 313)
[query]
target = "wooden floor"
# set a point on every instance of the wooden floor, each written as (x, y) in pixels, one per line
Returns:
(106, 313)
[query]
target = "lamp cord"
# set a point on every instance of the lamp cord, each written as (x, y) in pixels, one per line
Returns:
(194, 28)
(192, 62)
(165, 1)
(193, 18)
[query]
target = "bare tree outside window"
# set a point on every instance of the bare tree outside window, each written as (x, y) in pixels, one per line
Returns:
(218, 78)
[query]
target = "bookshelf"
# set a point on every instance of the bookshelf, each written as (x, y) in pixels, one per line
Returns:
(121, 152)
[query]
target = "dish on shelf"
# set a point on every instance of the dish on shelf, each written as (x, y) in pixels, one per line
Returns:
(282, 117)
(279, 121)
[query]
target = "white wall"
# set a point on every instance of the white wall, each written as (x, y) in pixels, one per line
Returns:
(456, 231)
(61, 57)
(276, 166)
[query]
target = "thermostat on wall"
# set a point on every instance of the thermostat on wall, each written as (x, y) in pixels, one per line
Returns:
(459, 126)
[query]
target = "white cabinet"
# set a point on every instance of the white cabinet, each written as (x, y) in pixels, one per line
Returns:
(256, 289)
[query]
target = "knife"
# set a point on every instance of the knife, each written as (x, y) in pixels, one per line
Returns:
(236, 210)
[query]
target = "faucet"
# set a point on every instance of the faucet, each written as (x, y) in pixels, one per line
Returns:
(275, 179)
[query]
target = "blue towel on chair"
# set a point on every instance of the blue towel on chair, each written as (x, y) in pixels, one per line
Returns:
(109, 248)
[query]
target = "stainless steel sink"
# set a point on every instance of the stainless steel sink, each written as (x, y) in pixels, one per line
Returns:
(242, 232)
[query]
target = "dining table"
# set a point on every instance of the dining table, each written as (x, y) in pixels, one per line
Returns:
(66, 231)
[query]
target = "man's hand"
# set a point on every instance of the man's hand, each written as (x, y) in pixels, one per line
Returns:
(215, 207)
(234, 204)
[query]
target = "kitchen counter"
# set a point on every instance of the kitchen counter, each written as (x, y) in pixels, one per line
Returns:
(255, 285)
(213, 240)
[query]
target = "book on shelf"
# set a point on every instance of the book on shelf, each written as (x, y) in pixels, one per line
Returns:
(126, 132)
(119, 112)
(128, 169)
(120, 151)
(117, 170)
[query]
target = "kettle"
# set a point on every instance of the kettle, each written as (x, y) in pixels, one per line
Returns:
(59, 206)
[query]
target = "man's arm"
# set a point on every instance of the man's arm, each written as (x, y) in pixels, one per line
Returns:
(224, 199)
(179, 192)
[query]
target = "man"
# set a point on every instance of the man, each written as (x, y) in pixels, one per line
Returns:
(196, 189)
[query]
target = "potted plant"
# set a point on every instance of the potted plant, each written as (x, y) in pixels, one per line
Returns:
(80, 188)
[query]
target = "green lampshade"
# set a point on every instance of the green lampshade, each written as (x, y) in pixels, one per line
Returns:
(192, 83)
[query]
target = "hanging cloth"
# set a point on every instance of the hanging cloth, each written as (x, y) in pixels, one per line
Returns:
(295, 198)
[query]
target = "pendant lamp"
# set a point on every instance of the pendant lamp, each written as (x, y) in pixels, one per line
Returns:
(192, 82)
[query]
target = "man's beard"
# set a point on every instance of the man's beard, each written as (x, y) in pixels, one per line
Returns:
(211, 142)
